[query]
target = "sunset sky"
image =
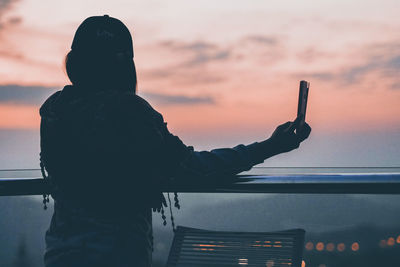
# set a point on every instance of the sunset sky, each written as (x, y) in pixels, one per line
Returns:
(224, 72)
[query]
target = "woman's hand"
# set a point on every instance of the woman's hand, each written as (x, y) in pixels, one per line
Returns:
(285, 138)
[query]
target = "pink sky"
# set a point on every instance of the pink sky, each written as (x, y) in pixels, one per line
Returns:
(238, 63)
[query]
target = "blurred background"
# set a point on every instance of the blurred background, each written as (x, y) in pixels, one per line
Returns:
(224, 73)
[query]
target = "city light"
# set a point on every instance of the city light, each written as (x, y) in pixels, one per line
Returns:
(320, 246)
(270, 263)
(330, 247)
(341, 247)
(243, 261)
(309, 246)
(204, 249)
(207, 245)
(355, 246)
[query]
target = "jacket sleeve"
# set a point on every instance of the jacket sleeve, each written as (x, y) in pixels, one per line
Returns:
(198, 167)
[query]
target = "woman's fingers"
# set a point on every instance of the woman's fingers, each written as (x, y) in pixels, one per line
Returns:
(293, 125)
(304, 132)
(285, 126)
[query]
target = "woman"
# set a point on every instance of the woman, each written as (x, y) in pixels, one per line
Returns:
(108, 154)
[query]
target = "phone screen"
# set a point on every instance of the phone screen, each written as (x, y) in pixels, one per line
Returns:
(303, 96)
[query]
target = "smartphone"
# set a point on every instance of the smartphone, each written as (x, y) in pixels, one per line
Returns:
(303, 96)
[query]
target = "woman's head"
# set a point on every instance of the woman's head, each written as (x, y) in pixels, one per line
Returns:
(101, 55)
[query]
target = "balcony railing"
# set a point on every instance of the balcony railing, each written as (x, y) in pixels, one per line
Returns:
(327, 180)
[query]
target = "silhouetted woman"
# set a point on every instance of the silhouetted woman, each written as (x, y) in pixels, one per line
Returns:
(108, 154)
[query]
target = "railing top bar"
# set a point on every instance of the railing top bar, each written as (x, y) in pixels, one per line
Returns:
(292, 171)
(361, 178)
(270, 167)
(290, 178)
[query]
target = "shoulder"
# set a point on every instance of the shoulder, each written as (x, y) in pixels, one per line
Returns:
(134, 106)
(48, 103)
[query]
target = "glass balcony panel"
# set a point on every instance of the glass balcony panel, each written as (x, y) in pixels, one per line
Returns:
(341, 229)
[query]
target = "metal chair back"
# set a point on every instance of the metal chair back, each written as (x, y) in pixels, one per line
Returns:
(195, 247)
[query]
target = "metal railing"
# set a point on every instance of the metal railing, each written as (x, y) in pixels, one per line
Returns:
(310, 180)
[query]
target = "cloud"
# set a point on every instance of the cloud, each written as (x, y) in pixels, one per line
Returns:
(5, 7)
(263, 50)
(312, 54)
(204, 62)
(395, 86)
(387, 66)
(178, 99)
(394, 63)
(183, 76)
(197, 46)
(199, 52)
(326, 76)
(203, 52)
(382, 60)
(203, 58)
(36, 95)
(31, 95)
(190, 68)
(11, 54)
(353, 74)
(14, 20)
(262, 39)
(7, 22)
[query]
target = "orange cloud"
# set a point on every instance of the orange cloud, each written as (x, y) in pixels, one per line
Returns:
(19, 117)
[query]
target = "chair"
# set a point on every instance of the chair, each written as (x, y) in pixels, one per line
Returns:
(195, 247)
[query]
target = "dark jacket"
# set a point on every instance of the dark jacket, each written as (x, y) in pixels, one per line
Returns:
(108, 155)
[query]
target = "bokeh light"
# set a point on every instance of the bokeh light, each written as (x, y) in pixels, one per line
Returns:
(320, 246)
(341, 247)
(390, 241)
(309, 246)
(330, 247)
(355, 246)
(270, 263)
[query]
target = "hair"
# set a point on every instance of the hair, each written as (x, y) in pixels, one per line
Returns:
(101, 71)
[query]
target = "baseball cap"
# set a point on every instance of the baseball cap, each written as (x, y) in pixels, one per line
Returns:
(103, 35)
